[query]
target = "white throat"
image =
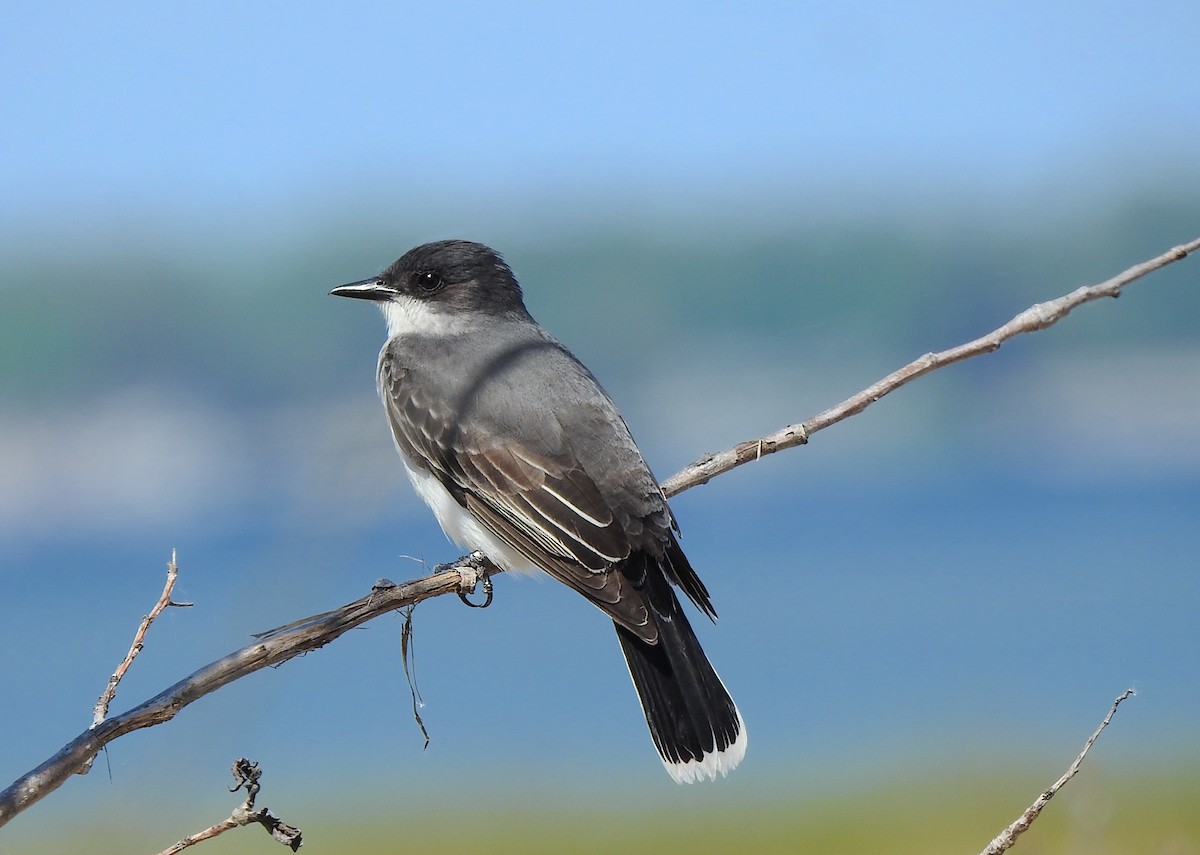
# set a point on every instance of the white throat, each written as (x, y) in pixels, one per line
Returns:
(406, 315)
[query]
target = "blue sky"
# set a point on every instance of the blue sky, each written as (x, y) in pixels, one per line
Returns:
(198, 111)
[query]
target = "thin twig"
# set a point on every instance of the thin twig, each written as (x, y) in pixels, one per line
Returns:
(1037, 317)
(1006, 838)
(246, 774)
(200, 836)
(100, 711)
(311, 633)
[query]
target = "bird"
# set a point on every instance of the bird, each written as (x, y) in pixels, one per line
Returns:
(523, 456)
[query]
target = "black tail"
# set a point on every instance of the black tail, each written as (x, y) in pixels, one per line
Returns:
(693, 721)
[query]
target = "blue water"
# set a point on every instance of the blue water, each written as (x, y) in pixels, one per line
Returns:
(856, 624)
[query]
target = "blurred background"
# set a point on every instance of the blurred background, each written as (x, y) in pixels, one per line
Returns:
(737, 217)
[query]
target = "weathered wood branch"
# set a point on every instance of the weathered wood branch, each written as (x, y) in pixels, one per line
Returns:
(1004, 841)
(1037, 317)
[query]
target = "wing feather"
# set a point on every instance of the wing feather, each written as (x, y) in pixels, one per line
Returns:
(527, 486)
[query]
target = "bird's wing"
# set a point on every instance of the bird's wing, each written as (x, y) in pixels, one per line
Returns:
(516, 472)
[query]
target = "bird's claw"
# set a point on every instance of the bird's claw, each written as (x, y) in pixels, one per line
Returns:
(487, 595)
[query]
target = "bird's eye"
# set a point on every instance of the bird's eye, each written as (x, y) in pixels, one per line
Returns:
(429, 281)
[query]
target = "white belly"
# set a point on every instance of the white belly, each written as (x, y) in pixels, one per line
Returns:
(459, 525)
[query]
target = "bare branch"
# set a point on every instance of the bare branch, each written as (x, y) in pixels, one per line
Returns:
(1006, 838)
(100, 711)
(246, 774)
(200, 836)
(1037, 317)
(272, 648)
(463, 574)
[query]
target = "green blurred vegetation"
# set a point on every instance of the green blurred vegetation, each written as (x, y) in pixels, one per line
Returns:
(182, 310)
(1101, 811)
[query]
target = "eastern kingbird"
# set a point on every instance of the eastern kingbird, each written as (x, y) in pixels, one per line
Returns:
(522, 455)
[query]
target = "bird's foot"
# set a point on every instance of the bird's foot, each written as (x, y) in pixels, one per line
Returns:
(474, 574)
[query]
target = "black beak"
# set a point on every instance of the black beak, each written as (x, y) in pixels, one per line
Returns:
(367, 289)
